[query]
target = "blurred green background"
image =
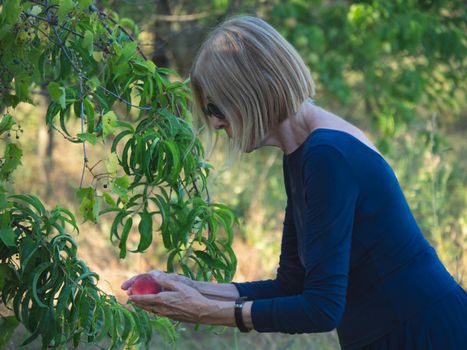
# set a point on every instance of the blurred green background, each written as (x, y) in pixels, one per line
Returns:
(396, 69)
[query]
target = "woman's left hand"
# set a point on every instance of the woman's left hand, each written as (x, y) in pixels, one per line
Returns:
(178, 301)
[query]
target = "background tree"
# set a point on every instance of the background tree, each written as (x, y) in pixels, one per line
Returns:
(154, 172)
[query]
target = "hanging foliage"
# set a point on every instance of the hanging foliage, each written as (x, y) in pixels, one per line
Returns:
(154, 179)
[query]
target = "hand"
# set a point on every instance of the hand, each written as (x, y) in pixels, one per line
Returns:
(158, 273)
(178, 301)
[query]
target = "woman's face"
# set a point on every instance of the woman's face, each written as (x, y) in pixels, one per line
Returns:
(217, 119)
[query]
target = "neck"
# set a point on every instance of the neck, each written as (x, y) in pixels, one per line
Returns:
(292, 132)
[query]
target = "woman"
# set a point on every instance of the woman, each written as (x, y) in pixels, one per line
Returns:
(352, 255)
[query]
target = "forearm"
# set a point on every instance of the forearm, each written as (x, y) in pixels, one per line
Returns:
(217, 291)
(222, 313)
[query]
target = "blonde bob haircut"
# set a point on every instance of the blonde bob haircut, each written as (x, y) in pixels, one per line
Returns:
(253, 75)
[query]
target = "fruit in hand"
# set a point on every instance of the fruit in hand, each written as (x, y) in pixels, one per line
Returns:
(145, 284)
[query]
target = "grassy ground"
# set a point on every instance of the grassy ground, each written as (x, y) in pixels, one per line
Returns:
(216, 338)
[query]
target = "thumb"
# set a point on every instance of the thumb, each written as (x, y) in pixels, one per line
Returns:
(127, 284)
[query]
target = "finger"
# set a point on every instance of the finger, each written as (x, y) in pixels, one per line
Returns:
(162, 298)
(144, 298)
(156, 273)
(179, 278)
(125, 285)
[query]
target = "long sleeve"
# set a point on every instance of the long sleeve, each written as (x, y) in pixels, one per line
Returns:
(330, 193)
(290, 274)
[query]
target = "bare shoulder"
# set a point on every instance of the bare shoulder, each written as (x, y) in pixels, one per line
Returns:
(340, 124)
(323, 119)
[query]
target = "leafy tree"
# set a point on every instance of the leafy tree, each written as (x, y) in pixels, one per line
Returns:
(91, 66)
(396, 67)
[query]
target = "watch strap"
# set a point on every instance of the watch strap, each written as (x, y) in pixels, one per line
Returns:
(238, 314)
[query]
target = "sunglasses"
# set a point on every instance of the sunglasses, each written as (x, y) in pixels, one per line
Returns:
(212, 110)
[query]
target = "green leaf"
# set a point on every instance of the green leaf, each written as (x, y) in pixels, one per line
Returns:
(93, 84)
(123, 239)
(174, 154)
(108, 199)
(109, 123)
(89, 207)
(12, 160)
(150, 66)
(164, 210)
(8, 237)
(128, 51)
(6, 123)
(91, 138)
(32, 201)
(98, 56)
(106, 324)
(35, 10)
(52, 111)
(145, 230)
(57, 93)
(5, 272)
(89, 114)
(28, 248)
(37, 273)
(58, 210)
(11, 11)
(112, 164)
(84, 4)
(209, 260)
(88, 41)
(123, 181)
(147, 68)
(31, 338)
(64, 9)
(127, 22)
(120, 187)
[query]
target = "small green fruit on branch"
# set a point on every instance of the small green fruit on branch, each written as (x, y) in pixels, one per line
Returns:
(144, 284)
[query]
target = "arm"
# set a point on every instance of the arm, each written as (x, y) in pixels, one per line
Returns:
(185, 300)
(290, 274)
(331, 192)
(331, 195)
(217, 291)
(219, 309)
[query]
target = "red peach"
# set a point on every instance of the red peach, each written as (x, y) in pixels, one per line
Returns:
(144, 284)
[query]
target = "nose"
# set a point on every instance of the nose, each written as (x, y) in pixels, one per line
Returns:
(217, 123)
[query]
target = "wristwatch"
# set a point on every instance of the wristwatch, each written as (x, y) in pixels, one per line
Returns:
(238, 314)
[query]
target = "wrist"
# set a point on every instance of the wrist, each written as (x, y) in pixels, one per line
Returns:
(220, 313)
(239, 314)
(246, 313)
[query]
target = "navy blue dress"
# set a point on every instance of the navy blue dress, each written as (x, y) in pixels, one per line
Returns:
(354, 258)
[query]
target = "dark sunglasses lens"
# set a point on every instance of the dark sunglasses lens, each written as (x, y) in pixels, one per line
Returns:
(213, 110)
